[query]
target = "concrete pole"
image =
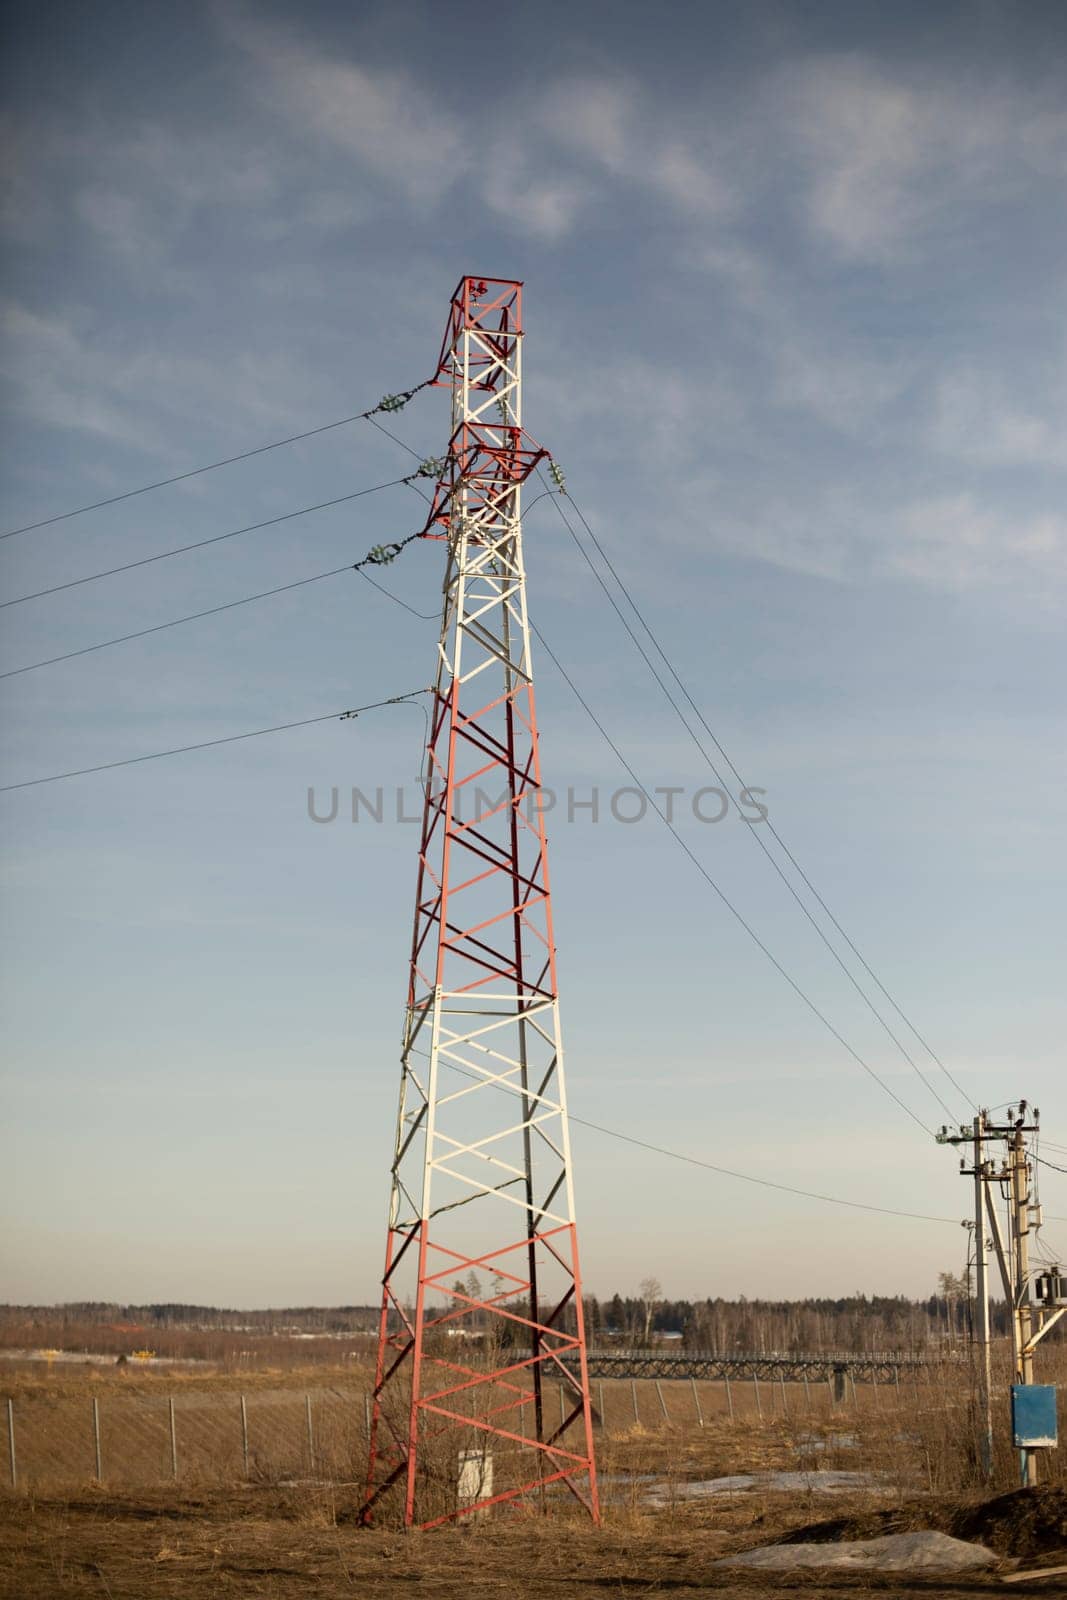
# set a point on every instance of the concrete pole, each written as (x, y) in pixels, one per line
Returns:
(981, 1321)
(1020, 1208)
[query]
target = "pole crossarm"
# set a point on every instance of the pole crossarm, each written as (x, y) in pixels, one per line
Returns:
(481, 1173)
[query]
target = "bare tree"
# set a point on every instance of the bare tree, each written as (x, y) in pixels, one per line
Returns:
(953, 1291)
(651, 1292)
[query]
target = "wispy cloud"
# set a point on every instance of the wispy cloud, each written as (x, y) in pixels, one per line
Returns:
(995, 419)
(954, 541)
(66, 370)
(382, 118)
(888, 155)
(613, 128)
(949, 540)
(55, 380)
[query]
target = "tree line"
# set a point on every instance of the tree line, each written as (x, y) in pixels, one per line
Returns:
(849, 1322)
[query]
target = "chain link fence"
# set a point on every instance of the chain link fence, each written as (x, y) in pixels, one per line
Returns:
(275, 1436)
(139, 1440)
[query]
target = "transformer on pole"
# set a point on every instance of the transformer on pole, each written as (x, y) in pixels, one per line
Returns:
(481, 1316)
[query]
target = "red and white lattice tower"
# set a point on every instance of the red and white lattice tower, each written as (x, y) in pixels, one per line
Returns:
(481, 1391)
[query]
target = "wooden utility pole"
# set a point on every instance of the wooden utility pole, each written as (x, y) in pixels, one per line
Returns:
(981, 1320)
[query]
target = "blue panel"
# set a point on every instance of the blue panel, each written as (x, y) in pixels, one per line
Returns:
(1033, 1415)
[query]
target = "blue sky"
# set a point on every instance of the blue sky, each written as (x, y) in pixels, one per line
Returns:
(795, 285)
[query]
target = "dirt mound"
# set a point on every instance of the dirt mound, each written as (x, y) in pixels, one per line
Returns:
(1024, 1522)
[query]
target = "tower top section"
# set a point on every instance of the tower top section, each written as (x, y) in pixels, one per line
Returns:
(490, 308)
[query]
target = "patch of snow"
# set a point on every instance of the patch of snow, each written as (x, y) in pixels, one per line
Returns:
(922, 1551)
(745, 1482)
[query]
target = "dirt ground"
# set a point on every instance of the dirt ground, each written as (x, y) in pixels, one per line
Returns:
(275, 1544)
(201, 1537)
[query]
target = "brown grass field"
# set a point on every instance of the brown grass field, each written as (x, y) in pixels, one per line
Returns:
(288, 1527)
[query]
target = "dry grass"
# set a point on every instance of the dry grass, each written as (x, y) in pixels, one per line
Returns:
(36, 1379)
(917, 1437)
(266, 1544)
(255, 1539)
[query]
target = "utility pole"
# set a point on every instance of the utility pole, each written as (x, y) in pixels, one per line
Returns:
(1013, 1178)
(1019, 1190)
(981, 1321)
(481, 1174)
(976, 1137)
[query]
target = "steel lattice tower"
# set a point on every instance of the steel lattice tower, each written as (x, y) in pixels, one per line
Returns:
(481, 1175)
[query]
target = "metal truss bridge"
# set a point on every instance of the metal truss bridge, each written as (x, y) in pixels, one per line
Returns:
(876, 1366)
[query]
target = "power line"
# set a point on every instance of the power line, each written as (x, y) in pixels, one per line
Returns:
(766, 821)
(423, 616)
(372, 559)
(703, 871)
(735, 913)
(252, 527)
(394, 436)
(160, 627)
(389, 402)
(748, 1177)
(711, 1166)
(207, 744)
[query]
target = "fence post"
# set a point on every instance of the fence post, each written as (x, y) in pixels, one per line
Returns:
(662, 1402)
(173, 1440)
(366, 1415)
(696, 1402)
(96, 1439)
(562, 1407)
(755, 1390)
(633, 1391)
(311, 1439)
(244, 1433)
(11, 1443)
(781, 1380)
(807, 1393)
(603, 1413)
(729, 1396)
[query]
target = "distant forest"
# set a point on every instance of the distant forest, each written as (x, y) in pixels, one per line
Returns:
(854, 1322)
